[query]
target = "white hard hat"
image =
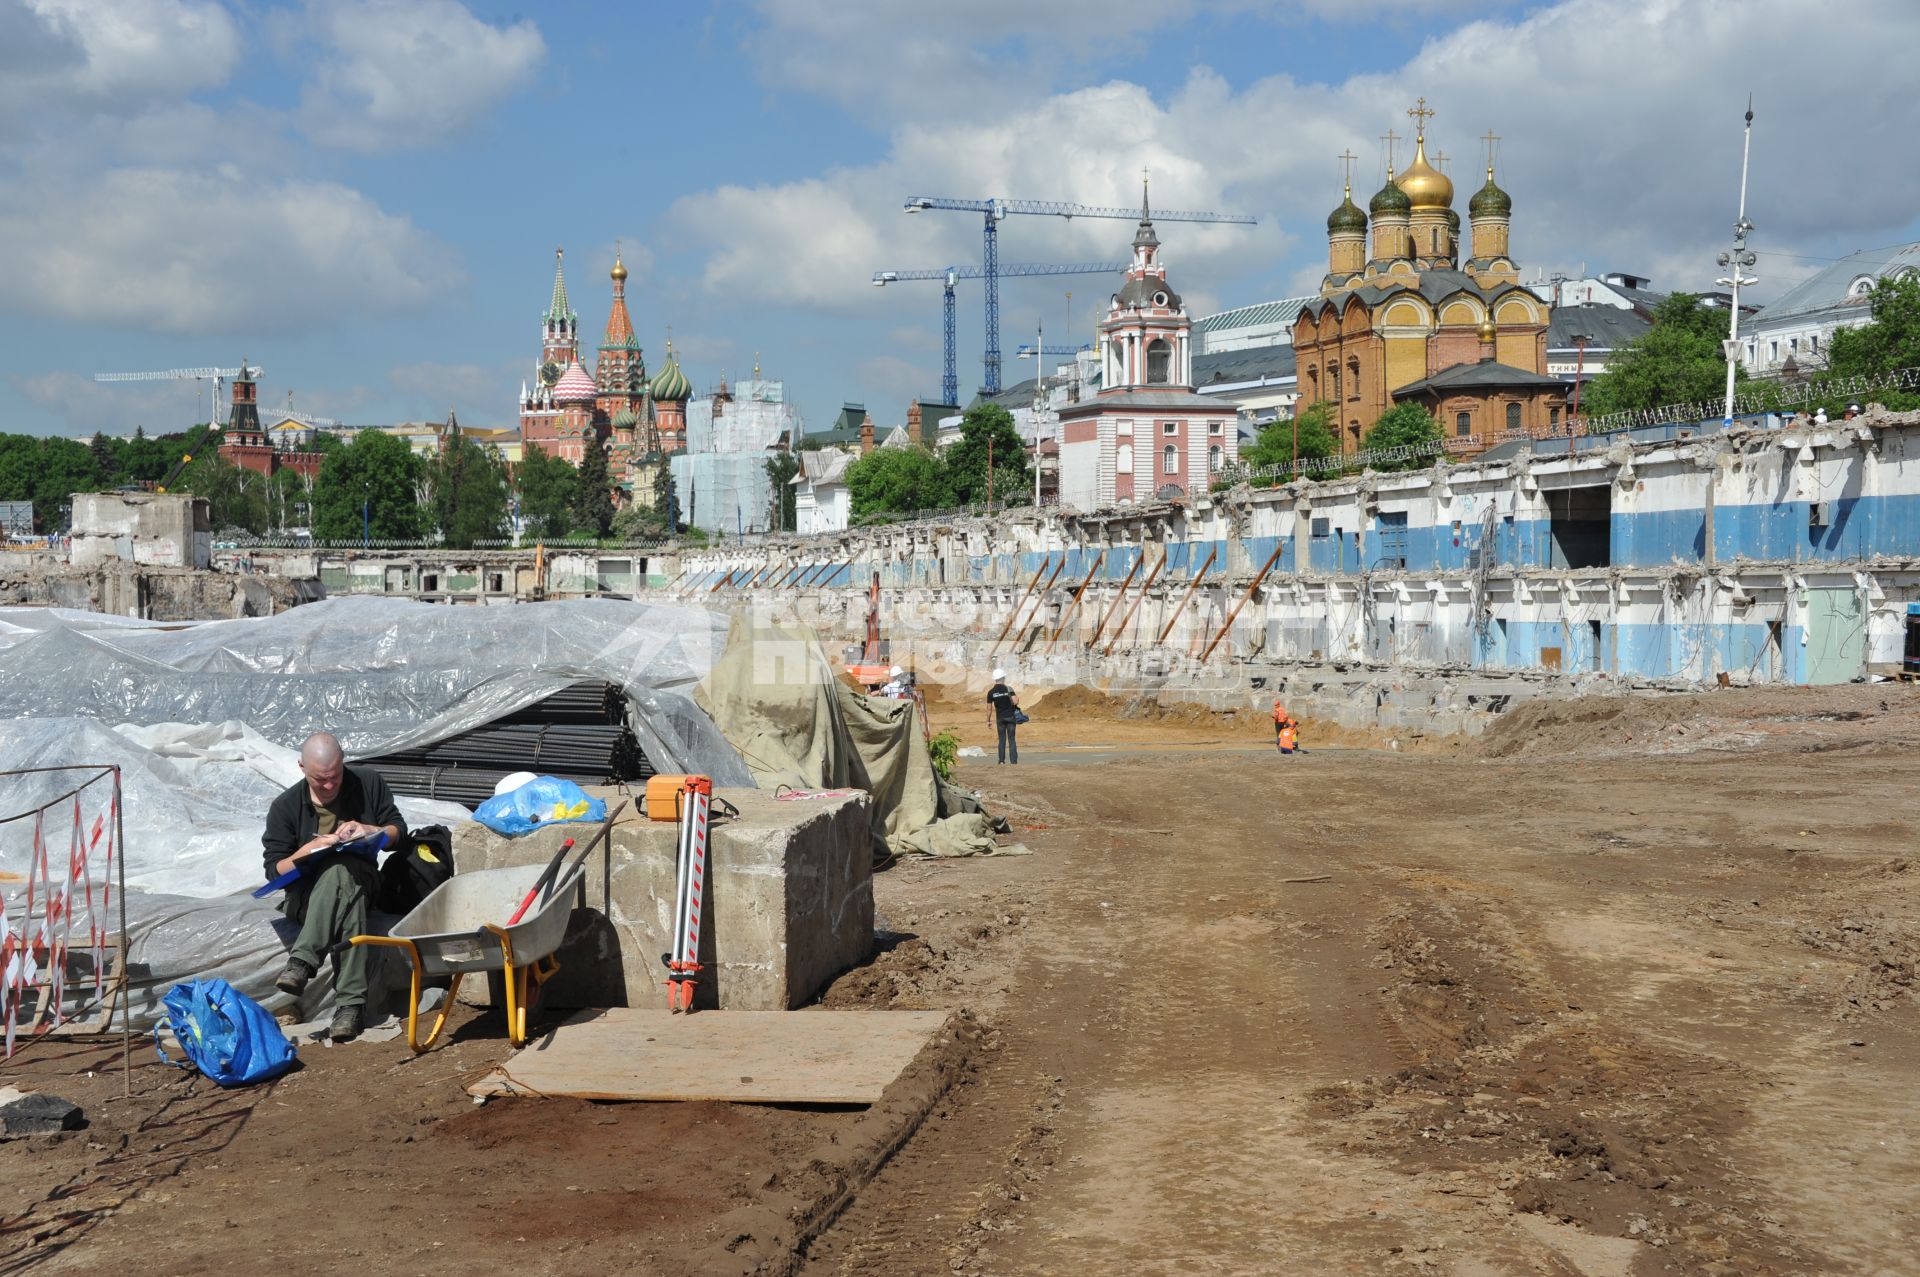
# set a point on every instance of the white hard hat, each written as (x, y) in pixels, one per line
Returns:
(511, 781)
(999, 673)
(896, 672)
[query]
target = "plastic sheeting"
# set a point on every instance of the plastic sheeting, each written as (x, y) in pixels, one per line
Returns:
(777, 698)
(382, 674)
(196, 799)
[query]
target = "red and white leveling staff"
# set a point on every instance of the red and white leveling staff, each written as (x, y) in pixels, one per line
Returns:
(683, 964)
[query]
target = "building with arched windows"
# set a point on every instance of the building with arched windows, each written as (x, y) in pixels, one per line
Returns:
(1146, 433)
(1799, 325)
(1419, 317)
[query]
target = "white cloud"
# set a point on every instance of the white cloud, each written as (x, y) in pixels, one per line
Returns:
(213, 252)
(116, 51)
(408, 72)
(77, 405)
(1621, 149)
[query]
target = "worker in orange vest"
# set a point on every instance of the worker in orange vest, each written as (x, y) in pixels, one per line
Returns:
(1285, 730)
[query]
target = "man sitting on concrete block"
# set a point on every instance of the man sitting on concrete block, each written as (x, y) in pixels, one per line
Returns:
(331, 805)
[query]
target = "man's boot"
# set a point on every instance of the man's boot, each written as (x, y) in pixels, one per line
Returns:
(347, 1023)
(294, 979)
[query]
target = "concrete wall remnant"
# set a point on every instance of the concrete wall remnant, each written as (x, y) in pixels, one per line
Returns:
(158, 529)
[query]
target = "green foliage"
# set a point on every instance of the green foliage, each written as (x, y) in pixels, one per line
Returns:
(1275, 444)
(1399, 426)
(781, 467)
(547, 487)
(666, 495)
(639, 523)
(466, 489)
(593, 502)
(377, 473)
(106, 456)
(46, 471)
(897, 481)
(984, 425)
(944, 747)
(236, 498)
(1678, 360)
(1890, 341)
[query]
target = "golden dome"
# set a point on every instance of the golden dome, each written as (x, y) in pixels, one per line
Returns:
(618, 271)
(1426, 186)
(1486, 330)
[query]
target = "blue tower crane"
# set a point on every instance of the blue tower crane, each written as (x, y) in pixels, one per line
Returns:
(952, 275)
(996, 210)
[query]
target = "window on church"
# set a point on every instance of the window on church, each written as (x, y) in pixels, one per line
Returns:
(1169, 427)
(1216, 457)
(1513, 416)
(1463, 424)
(1170, 460)
(1353, 378)
(1333, 375)
(1159, 362)
(1553, 416)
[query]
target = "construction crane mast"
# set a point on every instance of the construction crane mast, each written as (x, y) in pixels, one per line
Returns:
(218, 376)
(951, 275)
(994, 211)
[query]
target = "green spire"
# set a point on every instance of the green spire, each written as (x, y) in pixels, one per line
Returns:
(559, 310)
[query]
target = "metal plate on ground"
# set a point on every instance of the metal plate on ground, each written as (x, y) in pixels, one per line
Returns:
(764, 1057)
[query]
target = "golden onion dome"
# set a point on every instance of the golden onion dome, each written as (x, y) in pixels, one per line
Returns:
(1426, 186)
(619, 272)
(1486, 330)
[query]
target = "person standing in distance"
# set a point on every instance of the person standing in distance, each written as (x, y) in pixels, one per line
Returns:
(1002, 707)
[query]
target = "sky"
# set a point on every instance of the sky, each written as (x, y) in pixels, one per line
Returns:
(364, 196)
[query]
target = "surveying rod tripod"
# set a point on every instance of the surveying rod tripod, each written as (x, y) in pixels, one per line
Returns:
(683, 964)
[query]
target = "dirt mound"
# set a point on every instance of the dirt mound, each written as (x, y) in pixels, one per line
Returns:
(1810, 719)
(1079, 701)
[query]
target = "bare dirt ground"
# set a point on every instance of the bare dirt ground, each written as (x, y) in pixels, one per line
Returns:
(1623, 987)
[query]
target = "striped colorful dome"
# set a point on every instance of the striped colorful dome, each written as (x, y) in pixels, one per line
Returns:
(670, 385)
(574, 385)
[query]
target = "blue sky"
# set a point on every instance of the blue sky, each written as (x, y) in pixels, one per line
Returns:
(364, 196)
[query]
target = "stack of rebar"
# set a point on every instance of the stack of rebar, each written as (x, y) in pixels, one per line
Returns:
(580, 733)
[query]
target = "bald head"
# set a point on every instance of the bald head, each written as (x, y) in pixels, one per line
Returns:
(322, 763)
(321, 749)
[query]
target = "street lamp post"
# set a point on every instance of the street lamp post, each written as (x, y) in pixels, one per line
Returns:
(1740, 256)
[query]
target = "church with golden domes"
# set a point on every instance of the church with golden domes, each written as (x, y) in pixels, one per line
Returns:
(1402, 318)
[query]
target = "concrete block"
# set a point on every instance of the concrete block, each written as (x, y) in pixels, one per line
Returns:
(789, 902)
(40, 1114)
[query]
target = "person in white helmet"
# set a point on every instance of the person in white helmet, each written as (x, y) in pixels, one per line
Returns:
(1003, 714)
(897, 683)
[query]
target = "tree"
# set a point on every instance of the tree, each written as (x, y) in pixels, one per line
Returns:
(593, 503)
(1274, 446)
(1890, 341)
(289, 499)
(897, 481)
(666, 495)
(1403, 425)
(106, 459)
(1678, 360)
(143, 460)
(61, 468)
(547, 486)
(781, 467)
(467, 493)
(236, 498)
(369, 483)
(966, 461)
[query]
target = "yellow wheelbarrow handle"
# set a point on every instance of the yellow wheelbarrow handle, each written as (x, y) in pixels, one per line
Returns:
(413, 1001)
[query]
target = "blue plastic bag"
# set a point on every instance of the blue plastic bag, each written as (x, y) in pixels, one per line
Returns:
(225, 1034)
(544, 800)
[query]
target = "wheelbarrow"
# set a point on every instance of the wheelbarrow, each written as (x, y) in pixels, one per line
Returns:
(489, 920)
